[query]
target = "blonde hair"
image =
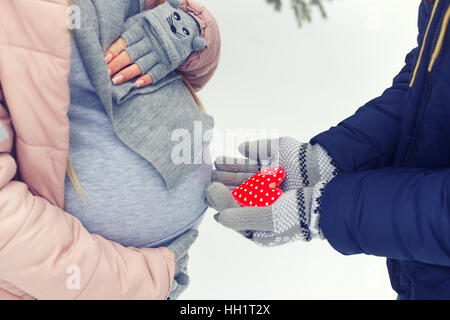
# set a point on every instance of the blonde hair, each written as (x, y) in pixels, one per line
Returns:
(71, 171)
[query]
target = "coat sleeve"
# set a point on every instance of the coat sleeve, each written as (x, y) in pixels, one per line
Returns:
(368, 139)
(48, 254)
(398, 213)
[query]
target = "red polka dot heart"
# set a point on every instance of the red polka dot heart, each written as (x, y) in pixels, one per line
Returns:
(260, 190)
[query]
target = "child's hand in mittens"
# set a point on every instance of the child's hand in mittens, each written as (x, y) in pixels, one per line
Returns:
(159, 42)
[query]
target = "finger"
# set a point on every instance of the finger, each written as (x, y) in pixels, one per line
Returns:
(249, 234)
(148, 61)
(127, 74)
(158, 72)
(267, 149)
(248, 218)
(139, 49)
(133, 34)
(179, 285)
(230, 164)
(230, 178)
(181, 264)
(115, 49)
(173, 291)
(219, 197)
(183, 279)
(182, 244)
(118, 63)
(144, 81)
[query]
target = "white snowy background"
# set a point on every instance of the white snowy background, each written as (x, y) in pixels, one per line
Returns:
(299, 82)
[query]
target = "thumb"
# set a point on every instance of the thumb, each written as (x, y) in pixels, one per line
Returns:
(267, 149)
(182, 244)
(247, 218)
(181, 264)
(219, 197)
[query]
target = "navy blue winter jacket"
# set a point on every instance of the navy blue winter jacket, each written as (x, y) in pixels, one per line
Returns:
(393, 198)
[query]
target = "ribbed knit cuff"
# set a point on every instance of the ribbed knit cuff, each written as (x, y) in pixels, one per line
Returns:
(327, 170)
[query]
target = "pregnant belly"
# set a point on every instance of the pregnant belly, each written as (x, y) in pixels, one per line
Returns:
(130, 203)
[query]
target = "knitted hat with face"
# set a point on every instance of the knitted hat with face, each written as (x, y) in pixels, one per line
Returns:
(200, 66)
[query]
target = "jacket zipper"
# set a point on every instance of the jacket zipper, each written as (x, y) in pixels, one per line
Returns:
(426, 99)
(424, 43)
(440, 41)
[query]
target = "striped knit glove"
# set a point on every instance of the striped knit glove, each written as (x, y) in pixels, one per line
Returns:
(295, 215)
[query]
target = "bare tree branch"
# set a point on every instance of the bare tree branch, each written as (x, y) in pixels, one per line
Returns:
(302, 8)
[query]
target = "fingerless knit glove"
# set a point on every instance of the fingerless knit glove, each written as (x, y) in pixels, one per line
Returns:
(162, 39)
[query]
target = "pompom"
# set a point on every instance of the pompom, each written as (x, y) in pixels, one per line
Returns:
(174, 3)
(198, 44)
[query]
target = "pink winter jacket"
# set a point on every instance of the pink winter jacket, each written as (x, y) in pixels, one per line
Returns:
(40, 244)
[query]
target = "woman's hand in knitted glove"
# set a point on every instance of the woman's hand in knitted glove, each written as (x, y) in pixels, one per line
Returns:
(154, 43)
(295, 215)
(180, 248)
(181, 280)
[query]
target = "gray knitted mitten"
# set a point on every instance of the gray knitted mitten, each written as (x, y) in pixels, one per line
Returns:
(181, 279)
(180, 248)
(295, 215)
(162, 39)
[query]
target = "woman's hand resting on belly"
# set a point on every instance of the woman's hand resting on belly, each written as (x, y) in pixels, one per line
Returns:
(154, 44)
(120, 66)
(180, 248)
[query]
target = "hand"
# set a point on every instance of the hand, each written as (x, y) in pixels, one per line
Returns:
(285, 221)
(121, 67)
(295, 215)
(181, 280)
(299, 160)
(180, 249)
(155, 44)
